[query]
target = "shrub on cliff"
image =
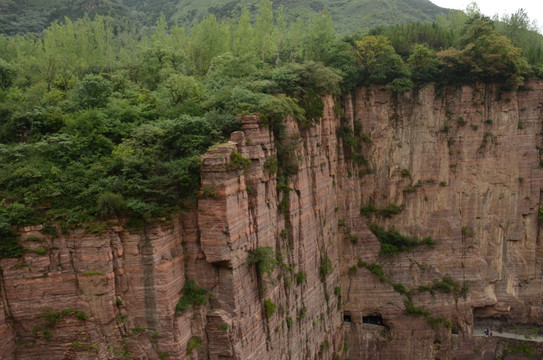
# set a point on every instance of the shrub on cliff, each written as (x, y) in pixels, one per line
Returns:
(392, 242)
(264, 260)
(193, 295)
(269, 308)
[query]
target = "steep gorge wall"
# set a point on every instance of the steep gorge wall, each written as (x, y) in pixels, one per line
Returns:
(465, 167)
(475, 153)
(129, 281)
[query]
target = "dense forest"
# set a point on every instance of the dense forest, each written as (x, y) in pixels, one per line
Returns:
(100, 120)
(23, 16)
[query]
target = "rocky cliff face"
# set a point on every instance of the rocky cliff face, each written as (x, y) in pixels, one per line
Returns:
(465, 167)
(462, 167)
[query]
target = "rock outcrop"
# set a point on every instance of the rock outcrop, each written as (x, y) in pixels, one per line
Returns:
(465, 167)
(462, 167)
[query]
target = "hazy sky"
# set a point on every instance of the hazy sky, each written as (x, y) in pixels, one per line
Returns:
(534, 8)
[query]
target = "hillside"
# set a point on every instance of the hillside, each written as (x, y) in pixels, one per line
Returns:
(33, 16)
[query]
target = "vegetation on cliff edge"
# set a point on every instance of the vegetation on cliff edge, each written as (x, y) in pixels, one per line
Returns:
(100, 120)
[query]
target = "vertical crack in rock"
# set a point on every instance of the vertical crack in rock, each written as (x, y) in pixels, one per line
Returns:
(148, 265)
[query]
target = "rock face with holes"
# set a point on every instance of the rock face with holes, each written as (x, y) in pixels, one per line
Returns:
(464, 166)
(461, 167)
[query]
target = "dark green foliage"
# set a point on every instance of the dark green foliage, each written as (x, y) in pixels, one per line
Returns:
(302, 313)
(353, 270)
(392, 242)
(386, 211)
(522, 347)
(269, 308)
(7, 74)
(81, 315)
(326, 267)
(378, 271)
(289, 321)
(264, 260)
(92, 91)
(446, 285)
(100, 120)
(9, 247)
(195, 343)
(193, 295)
(271, 165)
(399, 287)
(301, 278)
(110, 204)
(412, 310)
(55, 317)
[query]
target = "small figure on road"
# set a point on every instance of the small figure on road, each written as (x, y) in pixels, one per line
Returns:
(486, 331)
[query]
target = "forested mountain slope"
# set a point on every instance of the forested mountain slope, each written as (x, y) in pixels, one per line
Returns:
(348, 15)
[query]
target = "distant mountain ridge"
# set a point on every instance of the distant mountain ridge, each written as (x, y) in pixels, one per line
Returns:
(23, 16)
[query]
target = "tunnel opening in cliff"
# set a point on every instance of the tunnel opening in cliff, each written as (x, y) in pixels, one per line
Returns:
(373, 320)
(490, 317)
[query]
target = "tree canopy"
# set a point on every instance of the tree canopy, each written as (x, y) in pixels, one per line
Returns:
(101, 120)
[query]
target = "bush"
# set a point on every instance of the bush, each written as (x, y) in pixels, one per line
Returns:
(386, 211)
(326, 267)
(399, 287)
(92, 91)
(269, 308)
(193, 295)
(412, 310)
(9, 247)
(82, 316)
(195, 343)
(238, 162)
(301, 277)
(110, 204)
(264, 259)
(392, 242)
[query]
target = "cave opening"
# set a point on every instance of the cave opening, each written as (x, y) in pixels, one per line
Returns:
(347, 318)
(373, 320)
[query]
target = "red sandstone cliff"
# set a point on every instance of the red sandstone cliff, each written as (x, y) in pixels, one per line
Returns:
(475, 152)
(466, 167)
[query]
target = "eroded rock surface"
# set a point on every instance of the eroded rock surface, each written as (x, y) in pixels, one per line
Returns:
(464, 168)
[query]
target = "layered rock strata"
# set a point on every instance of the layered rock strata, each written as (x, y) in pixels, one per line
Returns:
(111, 292)
(464, 165)
(461, 166)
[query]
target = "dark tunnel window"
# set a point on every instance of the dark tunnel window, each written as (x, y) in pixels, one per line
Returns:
(373, 320)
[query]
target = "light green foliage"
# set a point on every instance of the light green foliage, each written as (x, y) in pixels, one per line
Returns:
(238, 162)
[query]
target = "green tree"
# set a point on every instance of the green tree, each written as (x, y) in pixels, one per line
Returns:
(423, 63)
(92, 91)
(208, 39)
(7, 74)
(264, 41)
